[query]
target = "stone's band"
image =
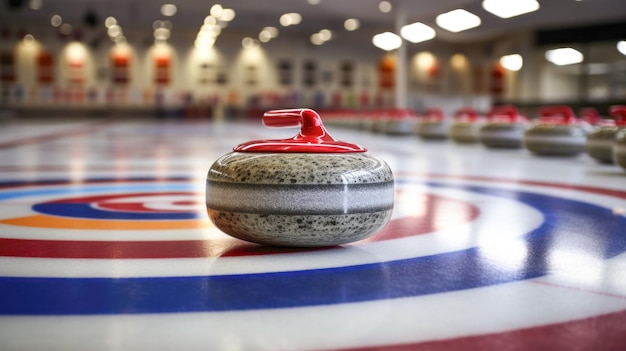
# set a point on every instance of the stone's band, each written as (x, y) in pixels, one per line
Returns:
(555, 139)
(300, 199)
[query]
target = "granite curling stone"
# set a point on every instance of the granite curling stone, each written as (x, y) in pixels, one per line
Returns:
(433, 126)
(308, 191)
(558, 133)
(600, 142)
(466, 126)
(400, 122)
(505, 128)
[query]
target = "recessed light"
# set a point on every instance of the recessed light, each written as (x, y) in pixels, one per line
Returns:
(417, 32)
(513, 62)
(387, 41)
(384, 6)
(511, 8)
(564, 56)
(351, 24)
(457, 20)
(168, 10)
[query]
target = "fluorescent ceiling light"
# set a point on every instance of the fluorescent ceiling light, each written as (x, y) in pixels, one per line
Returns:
(457, 20)
(564, 56)
(513, 62)
(417, 32)
(387, 41)
(510, 8)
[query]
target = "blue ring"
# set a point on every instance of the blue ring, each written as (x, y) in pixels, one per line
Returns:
(570, 224)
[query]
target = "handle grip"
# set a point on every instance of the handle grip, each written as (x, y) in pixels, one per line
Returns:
(619, 113)
(434, 113)
(468, 112)
(509, 111)
(287, 118)
(590, 115)
(565, 112)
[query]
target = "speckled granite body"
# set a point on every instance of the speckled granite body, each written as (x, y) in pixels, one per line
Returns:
(502, 135)
(465, 132)
(619, 148)
(556, 139)
(600, 143)
(299, 199)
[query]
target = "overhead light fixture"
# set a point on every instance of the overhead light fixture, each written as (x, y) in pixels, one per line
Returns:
(321, 37)
(384, 6)
(247, 43)
(29, 40)
(290, 19)
(621, 47)
(168, 10)
(513, 62)
(457, 20)
(35, 4)
(227, 15)
(564, 56)
(351, 24)
(267, 34)
(110, 21)
(387, 41)
(510, 8)
(216, 10)
(417, 32)
(316, 39)
(56, 20)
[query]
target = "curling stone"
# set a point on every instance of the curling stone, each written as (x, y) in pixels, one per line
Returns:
(557, 133)
(591, 116)
(433, 126)
(306, 191)
(466, 126)
(600, 142)
(505, 128)
(400, 122)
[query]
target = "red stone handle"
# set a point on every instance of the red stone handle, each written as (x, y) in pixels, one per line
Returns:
(467, 112)
(434, 113)
(309, 121)
(564, 112)
(509, 111)
(619, 113)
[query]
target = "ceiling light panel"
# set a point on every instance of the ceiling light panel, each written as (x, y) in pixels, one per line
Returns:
(417, 32)
(510, 8)
(564, 56)
(458, 20)
(387, 41)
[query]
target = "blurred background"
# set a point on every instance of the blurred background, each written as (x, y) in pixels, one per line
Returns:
(230, 60)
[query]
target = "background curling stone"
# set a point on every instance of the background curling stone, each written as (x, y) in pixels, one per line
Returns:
(466, 126)
(591, 116)
(433, 125)
(600, 143)
(504, 129)
(307, 191)
(400, 122)
(558, 132)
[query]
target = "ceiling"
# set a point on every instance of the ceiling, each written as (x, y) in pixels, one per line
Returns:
(251, 15)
